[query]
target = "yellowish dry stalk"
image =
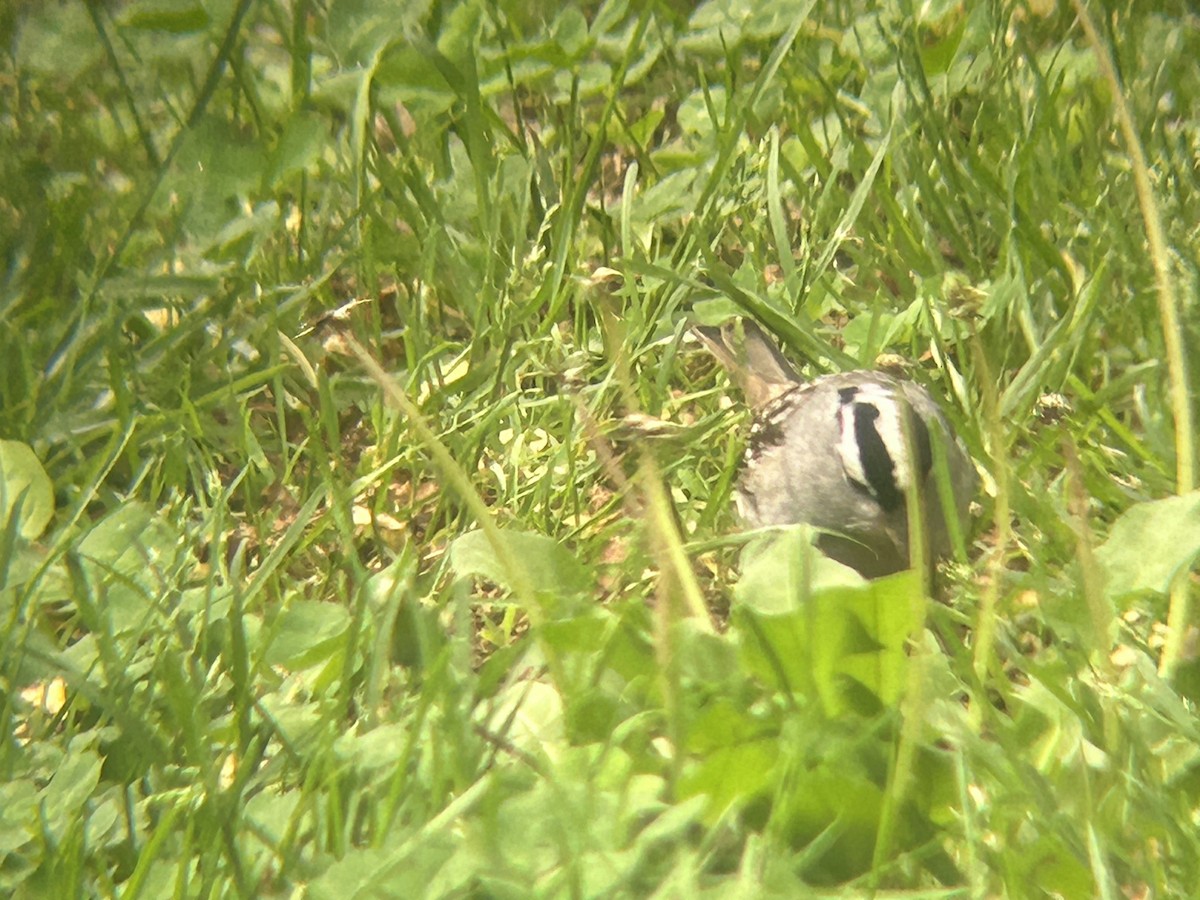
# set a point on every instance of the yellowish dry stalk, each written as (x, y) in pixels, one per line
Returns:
(1168, 310)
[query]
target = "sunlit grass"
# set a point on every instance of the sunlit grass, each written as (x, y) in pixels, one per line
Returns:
(367, 526)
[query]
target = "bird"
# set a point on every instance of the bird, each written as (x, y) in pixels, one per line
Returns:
(842, 453)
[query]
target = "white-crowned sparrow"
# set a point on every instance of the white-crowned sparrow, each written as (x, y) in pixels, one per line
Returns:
(841, 453)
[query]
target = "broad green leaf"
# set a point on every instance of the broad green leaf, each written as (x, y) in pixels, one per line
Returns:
(811, 627)
(356, 29)
(551, 569)
(372, 750)
(837, 799)
(216, 168)
(132, 557)
(393, 871)
(58, 41)
(731, 775)
(529, 715)
(308, 632)
(18, 813)
(75, 777)
(272, 813)
(25, 489)
(570, 31)
(722, 722)
(165, 15)
(1150, 545)
(304, 139)
(106, 815)
(783, 568)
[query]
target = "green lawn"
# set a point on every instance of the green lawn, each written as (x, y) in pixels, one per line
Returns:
(367, 523)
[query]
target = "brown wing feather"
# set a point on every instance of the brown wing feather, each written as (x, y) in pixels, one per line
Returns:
(751, 358)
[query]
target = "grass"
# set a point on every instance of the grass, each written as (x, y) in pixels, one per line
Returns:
(337, 559)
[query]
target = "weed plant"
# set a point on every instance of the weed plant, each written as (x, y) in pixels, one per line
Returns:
(366, 503)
